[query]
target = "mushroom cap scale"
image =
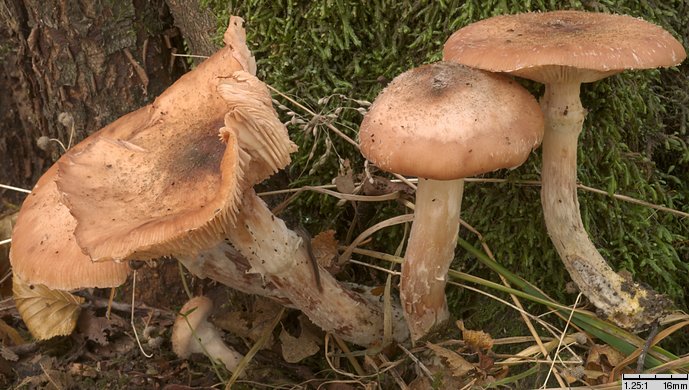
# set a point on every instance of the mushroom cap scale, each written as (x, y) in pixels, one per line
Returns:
(445, 121)
(563, 45)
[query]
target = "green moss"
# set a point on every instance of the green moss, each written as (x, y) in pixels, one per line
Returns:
(634, 142)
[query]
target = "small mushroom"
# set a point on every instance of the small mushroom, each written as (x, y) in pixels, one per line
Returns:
(443, 122)
(192, 333)
(563, 49)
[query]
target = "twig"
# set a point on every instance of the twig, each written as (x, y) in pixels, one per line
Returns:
(647, 345)
(50, 379)
(328, 125)
(5, 186)
(131, 321)
(98, 303)
(516, 301)
(110, 301)
(564, 333)
(422, 366)
(184, 279)
(348, 353)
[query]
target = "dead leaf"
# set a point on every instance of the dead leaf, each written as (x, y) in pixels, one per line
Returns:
(8, 354)
(296, 349)
(458, 366)
(11, 333)
(477, 340)
(47, 313)
(600, 362)
(324, 247)
(252, 322)
(94, 328)
(79, 369)
(344, 182)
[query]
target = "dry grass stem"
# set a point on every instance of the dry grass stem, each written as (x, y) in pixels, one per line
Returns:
(557, 351)
(5, 186)
(131, 321)
(368, 232)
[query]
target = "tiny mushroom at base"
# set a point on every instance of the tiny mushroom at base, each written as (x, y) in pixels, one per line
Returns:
(563, 49)
(443, 122)
(192, 333)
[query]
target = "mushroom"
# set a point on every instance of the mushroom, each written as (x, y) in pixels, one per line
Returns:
(443, 122)
(44, 248)
(563, 49)
(192, 333)
(180, 183)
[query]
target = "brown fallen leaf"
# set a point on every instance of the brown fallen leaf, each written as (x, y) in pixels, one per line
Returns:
(344, 182)
(457, 365)
(7, 331)
(94, 328)
(600, 362)
(296, 349)
(477, 340)
(250, 323)
(324, 246)
(47, 313)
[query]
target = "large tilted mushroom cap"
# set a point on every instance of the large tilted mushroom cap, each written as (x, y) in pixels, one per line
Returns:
(445, 121)
(44, 250)
(171, 185)
(538, 45)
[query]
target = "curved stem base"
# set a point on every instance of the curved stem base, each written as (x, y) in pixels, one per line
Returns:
(621, 300)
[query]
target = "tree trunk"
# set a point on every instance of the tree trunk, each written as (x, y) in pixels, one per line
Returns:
(69, 67)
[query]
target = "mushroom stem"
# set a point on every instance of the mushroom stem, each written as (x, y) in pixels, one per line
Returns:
(279, 255)
(430, 251)
(224, 264)
(214, 345)
(620, 299)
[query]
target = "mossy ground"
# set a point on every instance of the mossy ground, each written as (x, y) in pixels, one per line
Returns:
(635, 138)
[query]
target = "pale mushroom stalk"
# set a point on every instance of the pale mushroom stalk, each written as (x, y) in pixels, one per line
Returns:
(192, 333)
(443, 122)
(430, 250)
(209, 341)
(563, 49)
(279, 255)
(607, 290)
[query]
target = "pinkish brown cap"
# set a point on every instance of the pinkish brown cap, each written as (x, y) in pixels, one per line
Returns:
(44, 250)
(446, 121)
(170, 184)
(563, 45)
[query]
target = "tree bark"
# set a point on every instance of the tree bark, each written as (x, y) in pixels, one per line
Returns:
(69, 67)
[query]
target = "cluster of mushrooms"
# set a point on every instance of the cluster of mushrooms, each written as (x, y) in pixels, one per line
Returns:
(175, 178)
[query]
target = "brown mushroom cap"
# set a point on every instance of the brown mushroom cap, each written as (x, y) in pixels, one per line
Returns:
(170, 185)
(44, 250)
(445, 121)
(182, 338)
(547, 46)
